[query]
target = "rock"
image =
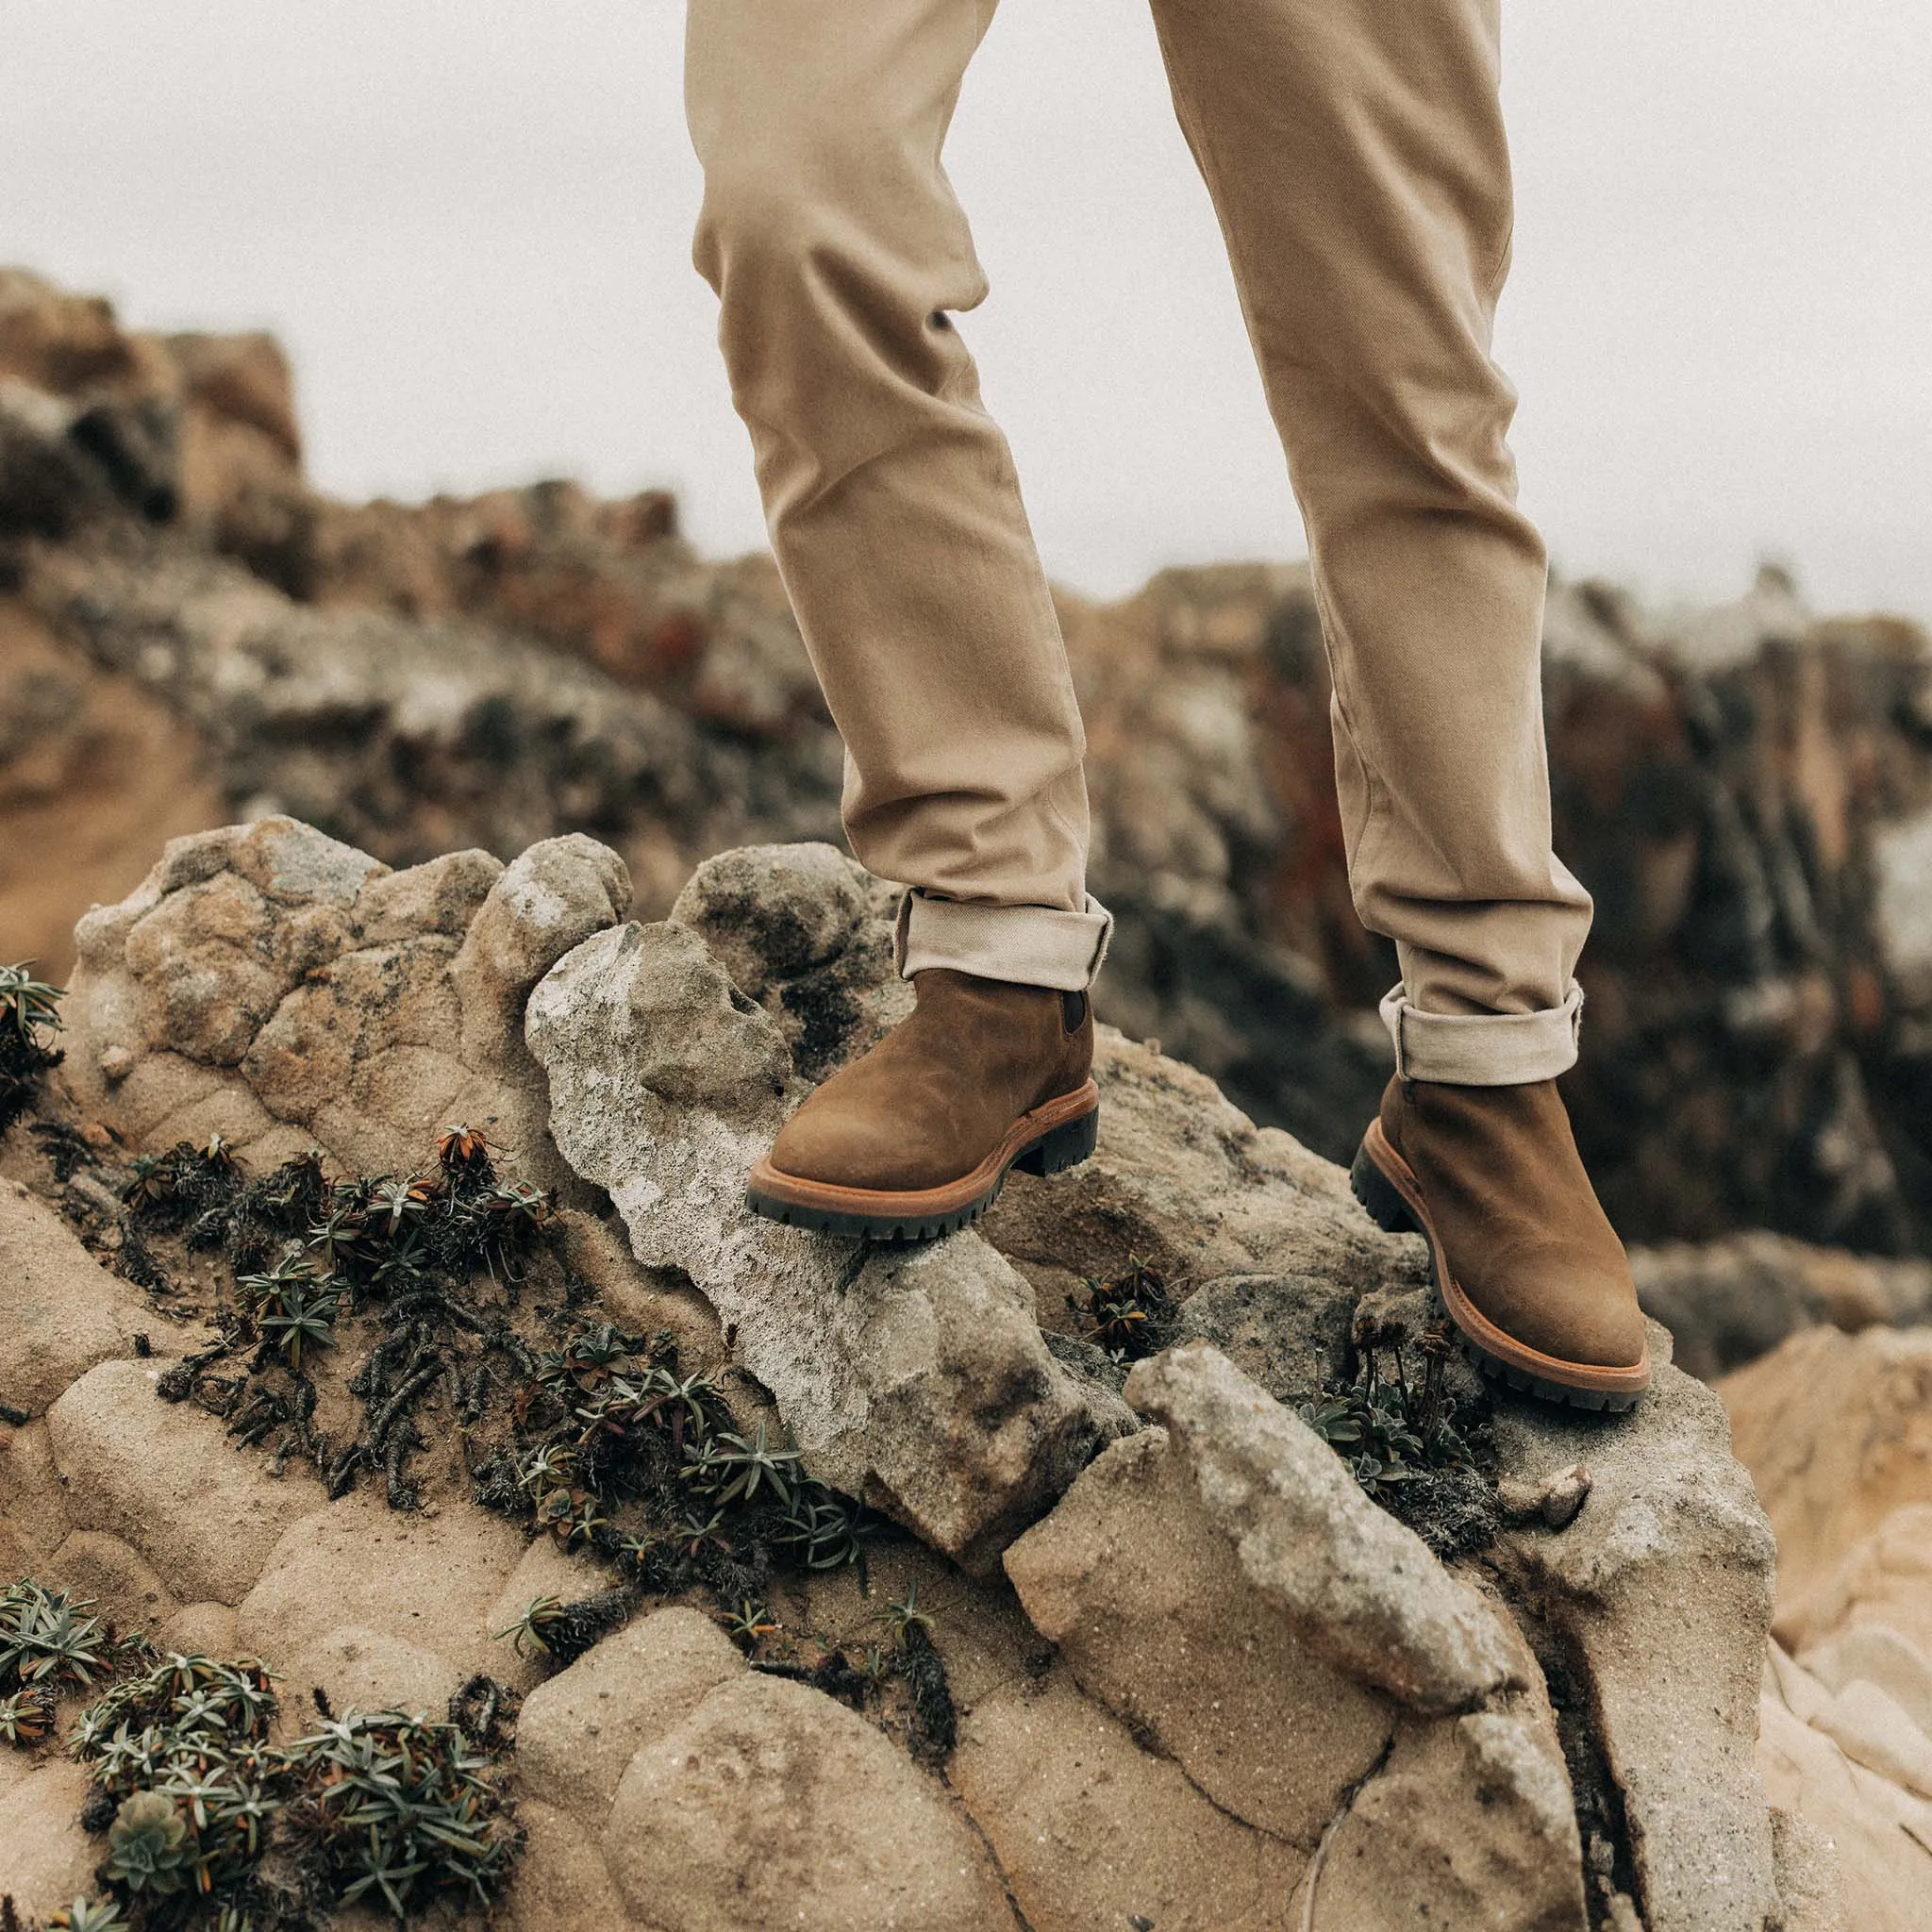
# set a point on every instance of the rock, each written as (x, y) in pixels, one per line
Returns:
(1884, 1579)
(1873, 1730)
(1092, 1830)
(289, 991)
(60, 1311)
(1810, 1881)
(580, 1729)
(113, 1577)
(33, 1505)
(1364, 1592)
(1145, 1595)
(1727, 1303)
(1249, 1614)
(560, 1884)
(914, 1377)
(163, 1478)
(1669, 1521)
(1832, 1428)
(47, 1860)
(1877, 1653)
(1882, 1835)
(369, 1670)
(428, 1581)
(1469, 1822)
(806, 934)
(206, 1629)
(1555, 1502)
(1185, 1182)
(772, 1803)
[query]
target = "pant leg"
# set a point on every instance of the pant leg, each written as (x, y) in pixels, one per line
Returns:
(838, 254)
(1354, 153)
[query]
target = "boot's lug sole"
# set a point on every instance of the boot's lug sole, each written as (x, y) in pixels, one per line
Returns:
(1383, 1183)
(1052, 1137)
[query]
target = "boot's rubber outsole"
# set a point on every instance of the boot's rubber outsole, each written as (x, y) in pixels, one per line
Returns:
(1059, 1135)
(1383, 1182)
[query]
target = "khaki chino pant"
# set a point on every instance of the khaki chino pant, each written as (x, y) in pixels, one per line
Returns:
(1354, 153)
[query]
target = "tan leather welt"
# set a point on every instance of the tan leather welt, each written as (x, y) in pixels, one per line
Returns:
(833, 1198)
(1594, 1376)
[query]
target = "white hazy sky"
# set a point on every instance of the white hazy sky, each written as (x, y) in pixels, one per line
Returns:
(470, 222)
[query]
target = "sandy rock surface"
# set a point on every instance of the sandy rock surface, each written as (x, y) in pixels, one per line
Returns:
(140, 1468)
(772, 1805)
(61, 1312)
(1837, 1431)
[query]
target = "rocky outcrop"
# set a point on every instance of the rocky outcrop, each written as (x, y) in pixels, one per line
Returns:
(1207, 1623)
(1671, 1519)
(287, 991)
(916, 1378)
(1371, 1710)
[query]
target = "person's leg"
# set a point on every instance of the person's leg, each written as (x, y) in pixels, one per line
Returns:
(1354, 153)
(840, 254)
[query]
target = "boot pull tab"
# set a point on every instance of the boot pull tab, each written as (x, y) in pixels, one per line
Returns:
(1074, 1010)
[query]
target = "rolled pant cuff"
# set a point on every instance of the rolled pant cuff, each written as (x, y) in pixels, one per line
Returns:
(1483, 1049)
(1030, 946)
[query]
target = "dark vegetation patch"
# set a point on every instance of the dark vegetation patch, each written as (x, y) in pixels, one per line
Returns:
(1420, 1448)
(483, 1366)
(30, 1015)
(1128, 1316)
(207, 1823)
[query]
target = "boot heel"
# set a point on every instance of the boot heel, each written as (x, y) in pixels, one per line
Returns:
(1064, 1147)
(1377, 1193)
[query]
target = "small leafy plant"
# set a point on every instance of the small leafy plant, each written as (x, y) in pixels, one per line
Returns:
(1127, 1314)
(1406, 1438)
(47, 1645)
(29, 1018)
(1385, 1429)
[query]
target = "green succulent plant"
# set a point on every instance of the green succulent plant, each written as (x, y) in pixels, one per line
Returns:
(46, 1638)
(150, 1846)
(28, 1006)
(86, 1915)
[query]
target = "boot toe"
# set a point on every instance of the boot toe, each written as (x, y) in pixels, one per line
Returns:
(842, 1149)
(1591, 1329)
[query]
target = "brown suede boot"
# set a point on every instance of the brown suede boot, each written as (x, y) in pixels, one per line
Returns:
(1529, 1266)
(916, 1138)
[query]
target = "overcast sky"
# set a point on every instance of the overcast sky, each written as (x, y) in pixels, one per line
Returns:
(470, 222)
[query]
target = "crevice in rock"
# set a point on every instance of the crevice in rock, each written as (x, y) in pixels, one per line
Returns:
(993, 1857)
(1147, 1739)
(1610, 1864)
(1312, 1878)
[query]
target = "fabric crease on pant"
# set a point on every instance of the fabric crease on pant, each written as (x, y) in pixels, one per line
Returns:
(1356, 157)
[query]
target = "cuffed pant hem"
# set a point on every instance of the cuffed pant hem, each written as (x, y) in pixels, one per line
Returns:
(1029, 945)
(1483, 1049)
